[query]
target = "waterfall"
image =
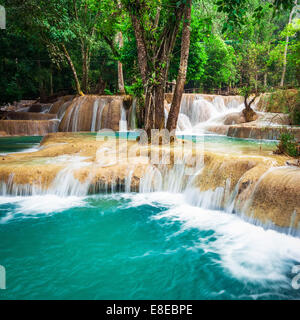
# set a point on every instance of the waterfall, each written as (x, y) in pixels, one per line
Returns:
(123, 120)
(197, 110)
(65, 184)
(206, 186)
(102, 104)
(184, 122)
(95, 113)
(91, 113)
(202, 109)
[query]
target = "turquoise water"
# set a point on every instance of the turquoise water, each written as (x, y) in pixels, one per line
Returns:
(210, 141)
(138, 246)
(19, 144)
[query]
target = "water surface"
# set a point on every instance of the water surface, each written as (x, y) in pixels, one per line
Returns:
(139, 246)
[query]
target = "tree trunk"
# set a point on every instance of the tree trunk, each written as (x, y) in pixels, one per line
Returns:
(78, 88)
(265, 79)
(141, 48)
(184, 56)
(286, 47)
(100, 86)
(121, 86)
(85, 69)
(248, 112)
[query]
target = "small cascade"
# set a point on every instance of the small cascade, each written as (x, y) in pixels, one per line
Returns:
(184, 122)
(201, 109)
(92, 113)
(175, 178)
(123, 120)
(95, 114)
(253, 201)
(250, 194)
(65, 184)
(10, 188)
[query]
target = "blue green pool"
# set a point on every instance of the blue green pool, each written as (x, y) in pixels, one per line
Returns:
(139, 246)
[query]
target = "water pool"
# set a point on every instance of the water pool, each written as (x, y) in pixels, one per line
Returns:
(139, 246)
(19, 144)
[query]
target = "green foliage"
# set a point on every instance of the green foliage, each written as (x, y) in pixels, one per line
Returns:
(136, 89)
(288, 145)
(283, 101)
(234, 43)
(200, 28)
(295, 111)
(108, 92)
(220, 69)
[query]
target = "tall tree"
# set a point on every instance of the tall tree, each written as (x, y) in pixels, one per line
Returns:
(121, 86)
(155, 32)
(286, 45)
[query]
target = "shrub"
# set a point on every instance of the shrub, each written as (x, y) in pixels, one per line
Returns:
(288, 145)
(295, 111)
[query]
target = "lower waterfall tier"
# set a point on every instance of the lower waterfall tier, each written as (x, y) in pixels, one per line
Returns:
(258, 186)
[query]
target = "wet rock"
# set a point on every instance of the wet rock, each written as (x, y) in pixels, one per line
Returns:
(28, 127)
(295, 163)
(234, 118)
(56, 106)
(249, 114)
(26, 116)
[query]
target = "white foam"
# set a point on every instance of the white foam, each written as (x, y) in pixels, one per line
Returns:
(248, 252)
(31, 206)
(29, 150)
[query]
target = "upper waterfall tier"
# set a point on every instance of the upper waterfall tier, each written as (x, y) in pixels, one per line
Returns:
(197, 109)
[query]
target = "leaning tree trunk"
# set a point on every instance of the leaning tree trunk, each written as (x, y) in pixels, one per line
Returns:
(78, 88)
(248, 112)
(141, 48)
(85, 69)
(185, 47)
(286, 47)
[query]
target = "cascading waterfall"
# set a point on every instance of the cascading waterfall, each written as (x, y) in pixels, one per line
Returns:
(80, 177)
(123, 120)
(92, 113)
(95, 113)
(197, 110)
(66, 184)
